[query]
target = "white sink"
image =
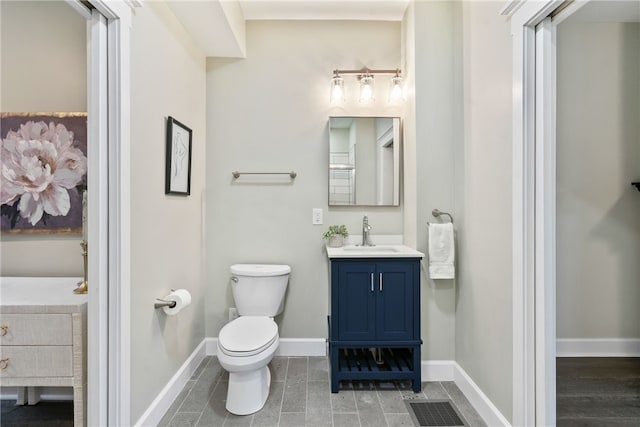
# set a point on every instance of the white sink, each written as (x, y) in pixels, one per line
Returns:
(378, 251)
(370, 248)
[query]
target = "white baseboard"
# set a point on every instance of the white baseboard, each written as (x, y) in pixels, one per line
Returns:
(449, 370)
(287, 347)
(169, 393)
(598, 347)
(481, 403)
(437, 370)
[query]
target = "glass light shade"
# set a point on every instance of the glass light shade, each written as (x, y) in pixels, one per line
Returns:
(337, 89)
(366, 88)
(396, 93)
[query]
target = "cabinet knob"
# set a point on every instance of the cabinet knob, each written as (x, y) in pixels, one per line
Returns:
(3, 330)
(4, 363)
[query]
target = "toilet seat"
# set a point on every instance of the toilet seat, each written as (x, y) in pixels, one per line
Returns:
(247, 335)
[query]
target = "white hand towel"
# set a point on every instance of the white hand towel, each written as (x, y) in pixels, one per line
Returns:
(441, 251)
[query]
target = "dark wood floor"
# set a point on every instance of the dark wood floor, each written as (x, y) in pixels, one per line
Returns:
(44, 414)
(594, 391)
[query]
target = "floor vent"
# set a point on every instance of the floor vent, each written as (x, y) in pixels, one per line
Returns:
(434, 413)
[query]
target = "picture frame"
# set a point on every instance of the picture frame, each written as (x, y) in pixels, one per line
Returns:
(31, 202)
(178, 165)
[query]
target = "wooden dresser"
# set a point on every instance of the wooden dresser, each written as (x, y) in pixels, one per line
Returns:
(43, 338)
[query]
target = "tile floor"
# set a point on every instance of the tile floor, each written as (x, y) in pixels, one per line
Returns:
(300, 396)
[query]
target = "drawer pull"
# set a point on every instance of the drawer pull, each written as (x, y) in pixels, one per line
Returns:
(371, 282)
(4, 363)
(380, 282)
(3, 330)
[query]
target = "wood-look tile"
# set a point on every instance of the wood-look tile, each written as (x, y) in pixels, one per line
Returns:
(318, 369)
(269, 415)
(344, 402)
(598, 391)
(278, 368)
(215, 412)
(318, 404)
(369, 409)
(292, 419)
(399, 420)
(463, 405)
(346, 420)
(185, 419)
(300, 396)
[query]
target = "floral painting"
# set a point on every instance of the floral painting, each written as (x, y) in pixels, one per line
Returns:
(44, 172)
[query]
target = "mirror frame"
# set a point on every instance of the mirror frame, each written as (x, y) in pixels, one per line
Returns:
(396, 129)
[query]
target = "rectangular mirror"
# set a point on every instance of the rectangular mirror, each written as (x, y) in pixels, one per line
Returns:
(364, 161)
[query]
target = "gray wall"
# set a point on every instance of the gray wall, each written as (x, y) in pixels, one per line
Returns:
(43, 70)
(598, 155)
(436, 80)
(269, 112)
(484, 204)
(167, 248)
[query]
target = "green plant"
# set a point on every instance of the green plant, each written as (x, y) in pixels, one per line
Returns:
(335, 230)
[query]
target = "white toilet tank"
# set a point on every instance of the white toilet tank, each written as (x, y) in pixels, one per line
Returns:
(258, 289)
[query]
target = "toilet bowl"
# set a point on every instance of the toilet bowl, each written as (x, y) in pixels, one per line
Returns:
(247, 344)
(245, 348)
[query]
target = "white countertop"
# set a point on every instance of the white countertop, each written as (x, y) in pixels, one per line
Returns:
(41, 295)
(378, 251)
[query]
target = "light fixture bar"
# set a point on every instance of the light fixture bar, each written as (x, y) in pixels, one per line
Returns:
(368, 71)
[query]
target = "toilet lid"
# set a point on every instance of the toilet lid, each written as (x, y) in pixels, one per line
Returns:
(247, 335)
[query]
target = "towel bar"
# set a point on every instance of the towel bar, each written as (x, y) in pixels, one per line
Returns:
(436, 213)
(237, 174)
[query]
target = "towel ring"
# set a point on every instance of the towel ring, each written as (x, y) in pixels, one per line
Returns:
(436, 213)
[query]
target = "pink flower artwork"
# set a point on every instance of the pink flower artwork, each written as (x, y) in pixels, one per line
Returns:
(43, 171)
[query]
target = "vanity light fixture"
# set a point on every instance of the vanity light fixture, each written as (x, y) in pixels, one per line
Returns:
(337, 88)
(396, 93)
(365, 76)
(366, 88)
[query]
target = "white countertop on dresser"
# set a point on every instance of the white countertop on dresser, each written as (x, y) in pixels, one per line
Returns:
(40, 295)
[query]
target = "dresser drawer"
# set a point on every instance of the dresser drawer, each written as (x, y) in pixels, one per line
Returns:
(36, 361)
(35, 329)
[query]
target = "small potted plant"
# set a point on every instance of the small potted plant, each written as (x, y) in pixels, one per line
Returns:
(335, 235)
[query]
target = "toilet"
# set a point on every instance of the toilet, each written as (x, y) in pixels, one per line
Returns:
(247, 344)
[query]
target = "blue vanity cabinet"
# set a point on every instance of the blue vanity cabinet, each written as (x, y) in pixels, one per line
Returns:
(375, 304)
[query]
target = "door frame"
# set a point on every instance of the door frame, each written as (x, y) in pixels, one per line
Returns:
(534, 234)
(108, 107)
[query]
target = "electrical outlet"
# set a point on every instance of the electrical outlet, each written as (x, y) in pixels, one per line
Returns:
(317, 216)
(233, 313)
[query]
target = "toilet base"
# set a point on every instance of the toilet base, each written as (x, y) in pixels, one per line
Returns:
(248, 391)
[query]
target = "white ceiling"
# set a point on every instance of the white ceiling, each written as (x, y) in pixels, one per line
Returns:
(608, 11)
(374, 10)
(218, 26)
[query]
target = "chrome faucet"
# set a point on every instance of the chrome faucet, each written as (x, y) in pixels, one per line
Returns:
(366, 228)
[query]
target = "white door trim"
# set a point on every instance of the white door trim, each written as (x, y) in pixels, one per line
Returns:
(109, 221)
(534, 208)
(545, 223)
(98, 218)
(524, 17)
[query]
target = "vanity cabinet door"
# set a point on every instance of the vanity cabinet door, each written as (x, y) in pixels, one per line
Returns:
(356, 303)
(394, 301)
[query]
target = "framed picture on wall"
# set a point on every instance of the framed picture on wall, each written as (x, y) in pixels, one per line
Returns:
(178, 167)
(44, 172)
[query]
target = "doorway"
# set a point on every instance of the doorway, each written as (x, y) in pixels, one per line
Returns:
(534, 315)
(108, 35)
(598, 216)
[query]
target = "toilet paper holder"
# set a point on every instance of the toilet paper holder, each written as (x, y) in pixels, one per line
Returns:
(160, 303)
